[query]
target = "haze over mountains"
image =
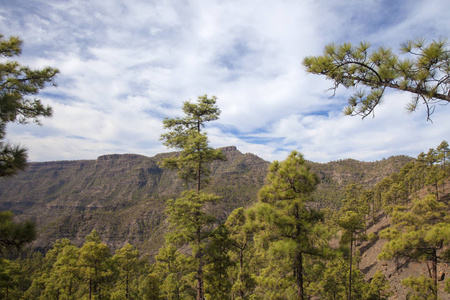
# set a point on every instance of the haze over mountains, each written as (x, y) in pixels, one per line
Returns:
(123, 196)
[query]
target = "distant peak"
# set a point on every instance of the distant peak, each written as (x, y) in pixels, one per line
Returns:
(229, 148)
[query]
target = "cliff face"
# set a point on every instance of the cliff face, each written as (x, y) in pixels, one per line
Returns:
(123, 196)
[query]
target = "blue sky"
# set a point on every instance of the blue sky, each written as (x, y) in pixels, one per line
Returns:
(125, 65)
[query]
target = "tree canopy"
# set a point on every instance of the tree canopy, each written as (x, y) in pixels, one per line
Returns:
(17, 84)
(424, 72)
(292, 227)
(186, 135)
(14, 235)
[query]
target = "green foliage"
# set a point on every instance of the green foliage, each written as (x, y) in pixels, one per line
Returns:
(288, 230)
(379, 288)
(13, 235)
(355, 208)
(8, 277)
(150, 287)
(335, 176)
(62, 280)
(421, 227)
(288, 180)
(427, 170)
(422, 288)
(217, 283)
(186, 135)
(190, 223)
(17, 83)
(89, 272)
(95, 271)
(188, 218)
(418, 230)
(333, 282)
(42, 275)
(126, 261)
(176, 273)
(240, 238)
(424, 73)
(94, 237)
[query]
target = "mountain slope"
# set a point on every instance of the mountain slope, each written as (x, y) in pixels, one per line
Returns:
(123, 196)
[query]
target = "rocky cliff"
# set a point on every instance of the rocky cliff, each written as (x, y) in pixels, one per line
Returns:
(123, 196)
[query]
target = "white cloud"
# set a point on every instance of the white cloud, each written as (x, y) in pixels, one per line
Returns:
(125, 65)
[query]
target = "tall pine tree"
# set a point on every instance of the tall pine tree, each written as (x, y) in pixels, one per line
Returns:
(291, 226)
(191, 223)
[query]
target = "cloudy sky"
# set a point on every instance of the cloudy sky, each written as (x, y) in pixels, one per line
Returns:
(127, 64)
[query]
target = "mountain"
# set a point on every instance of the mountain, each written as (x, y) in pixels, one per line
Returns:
(123, 196)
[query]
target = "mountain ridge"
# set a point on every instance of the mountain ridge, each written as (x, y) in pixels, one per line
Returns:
(123, 196)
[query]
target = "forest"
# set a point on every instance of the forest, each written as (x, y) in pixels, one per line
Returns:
(280, 247)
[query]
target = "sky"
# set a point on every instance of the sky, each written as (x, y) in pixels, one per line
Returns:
(125, 65)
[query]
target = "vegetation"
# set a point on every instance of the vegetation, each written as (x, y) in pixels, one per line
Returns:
(17, 82)
(283, 244)
(424, 73)
(288, 228)
(14, 235)
(247, 258)
(421, 226)
(186, 135)
(191, 223)
(281, 247)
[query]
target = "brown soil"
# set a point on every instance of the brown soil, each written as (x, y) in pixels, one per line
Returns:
(396, 272)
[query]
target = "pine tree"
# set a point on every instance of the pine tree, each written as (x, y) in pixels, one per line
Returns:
(424, 73)
(240, 236)
(126, 259)
(291, 226)
(17, 83)
(14, 235)
(355, 208)
(95, 266)
(42, 275)
(62, 282)
(9, 271)
(187, 214)
(186, 135)
(218, 285)
(175, 273)
(421, 288)
(351, 222)
(419, 233)
(192, 225)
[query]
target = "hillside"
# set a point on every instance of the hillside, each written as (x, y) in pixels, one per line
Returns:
(397, 271)
(123, 196)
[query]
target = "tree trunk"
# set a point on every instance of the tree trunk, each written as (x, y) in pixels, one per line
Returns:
(241, 267)
(299, 275)
(199, 256)
(200, 292)
(350, 272)
(198, 177)
(435, 262)
(127, 295)
(200, 161)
